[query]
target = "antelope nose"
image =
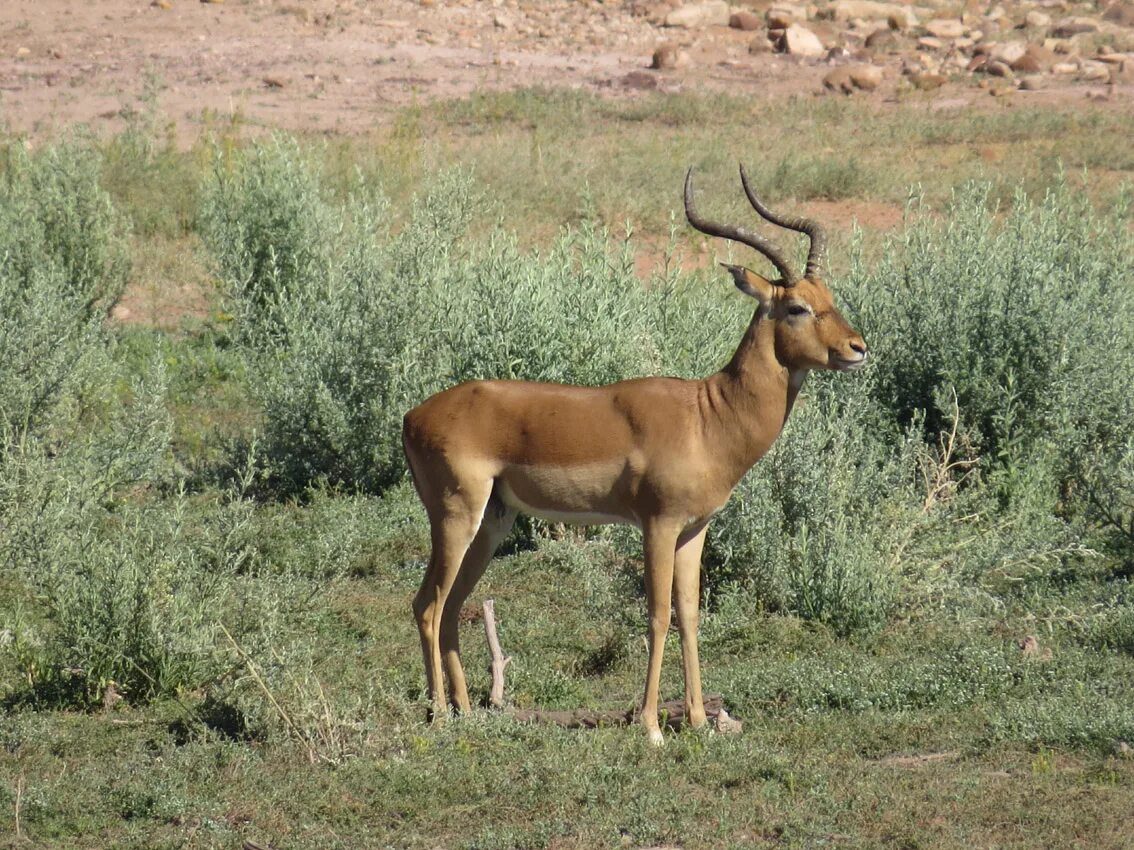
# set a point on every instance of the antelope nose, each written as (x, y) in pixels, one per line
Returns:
(859, 346)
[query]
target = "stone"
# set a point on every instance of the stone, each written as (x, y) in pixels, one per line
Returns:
(839, 80)
(1094, 72)
(744, 20)
(1033, 84)
(945, 28)
(1008, 51)
(1065, 67)
(21, 52)
(928, 42)
(162, 4)
(1121, 13)
(896, 15)
(705, 14)
(866, 77)
(778, 19)
(882, 40)
(1037, 20)
(1074, 26)
(1036, 58)
(727, 725)
(669, 57)
(760, 44)
(800, 41)
(927, 80)
(997, 68)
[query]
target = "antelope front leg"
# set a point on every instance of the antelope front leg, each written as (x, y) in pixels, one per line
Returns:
(686, 599)
(658, 542)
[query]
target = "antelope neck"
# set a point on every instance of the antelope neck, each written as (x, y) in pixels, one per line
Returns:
(752, 396)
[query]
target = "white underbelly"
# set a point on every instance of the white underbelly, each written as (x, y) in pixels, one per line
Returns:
(571, 508)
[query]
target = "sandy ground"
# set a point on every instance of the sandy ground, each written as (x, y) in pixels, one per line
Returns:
(345, 66)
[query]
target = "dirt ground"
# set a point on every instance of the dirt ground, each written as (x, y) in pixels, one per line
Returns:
(344, 66)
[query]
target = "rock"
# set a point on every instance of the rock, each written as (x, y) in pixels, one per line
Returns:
(705, 14)
(898, 16)
(162, 4)
(839, 80)
(1121, 748)
(501, 21)
(1074, 26)
(1037, 20)
(759, 44)
(883, 40)
(945, 28)
(727, 725)
(1035, 59)
(848, 78)
(273, 82)
(669, 57)
(778, 19)
(1094, 72)
(800, 41)
(866, 77)
(744, 20)
(21, 52)
(1008, 51)
(927, 80)
(928, 42)
(997, 68)
(901, 20)
(1033, 84)
(1121, 13)
(1065, 67)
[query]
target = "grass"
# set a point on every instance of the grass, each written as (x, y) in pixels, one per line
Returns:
(307, 727)
(917, 737)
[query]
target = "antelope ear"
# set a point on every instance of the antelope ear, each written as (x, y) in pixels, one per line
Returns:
(751, 284)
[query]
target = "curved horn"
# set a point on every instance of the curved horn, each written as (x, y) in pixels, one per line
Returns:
(736, 234)
(814, 232)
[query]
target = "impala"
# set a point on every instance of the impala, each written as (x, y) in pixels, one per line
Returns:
(663, 454)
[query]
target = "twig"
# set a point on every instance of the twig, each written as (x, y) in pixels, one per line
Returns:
(19, 803)
(312, 755)
(499, 660)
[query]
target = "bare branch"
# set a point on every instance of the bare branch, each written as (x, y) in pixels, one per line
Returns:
(499, 661)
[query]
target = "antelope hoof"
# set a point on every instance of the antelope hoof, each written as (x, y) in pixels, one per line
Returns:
(656, 737)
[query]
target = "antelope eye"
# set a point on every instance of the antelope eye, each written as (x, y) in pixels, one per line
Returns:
(798, 310)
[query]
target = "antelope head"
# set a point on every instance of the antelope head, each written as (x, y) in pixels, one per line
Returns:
(810, 332)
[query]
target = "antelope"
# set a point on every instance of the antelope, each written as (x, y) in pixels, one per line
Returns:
(660, 453)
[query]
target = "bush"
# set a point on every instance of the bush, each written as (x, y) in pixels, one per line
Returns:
(57, 222)
(1026, 317)
(815, 528)
(364, 326)
(62, 266)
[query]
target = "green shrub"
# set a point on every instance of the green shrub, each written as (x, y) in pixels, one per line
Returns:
(58, 222)
(1026, 317)
(269, 228)
(363, 327)
(814, 529)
